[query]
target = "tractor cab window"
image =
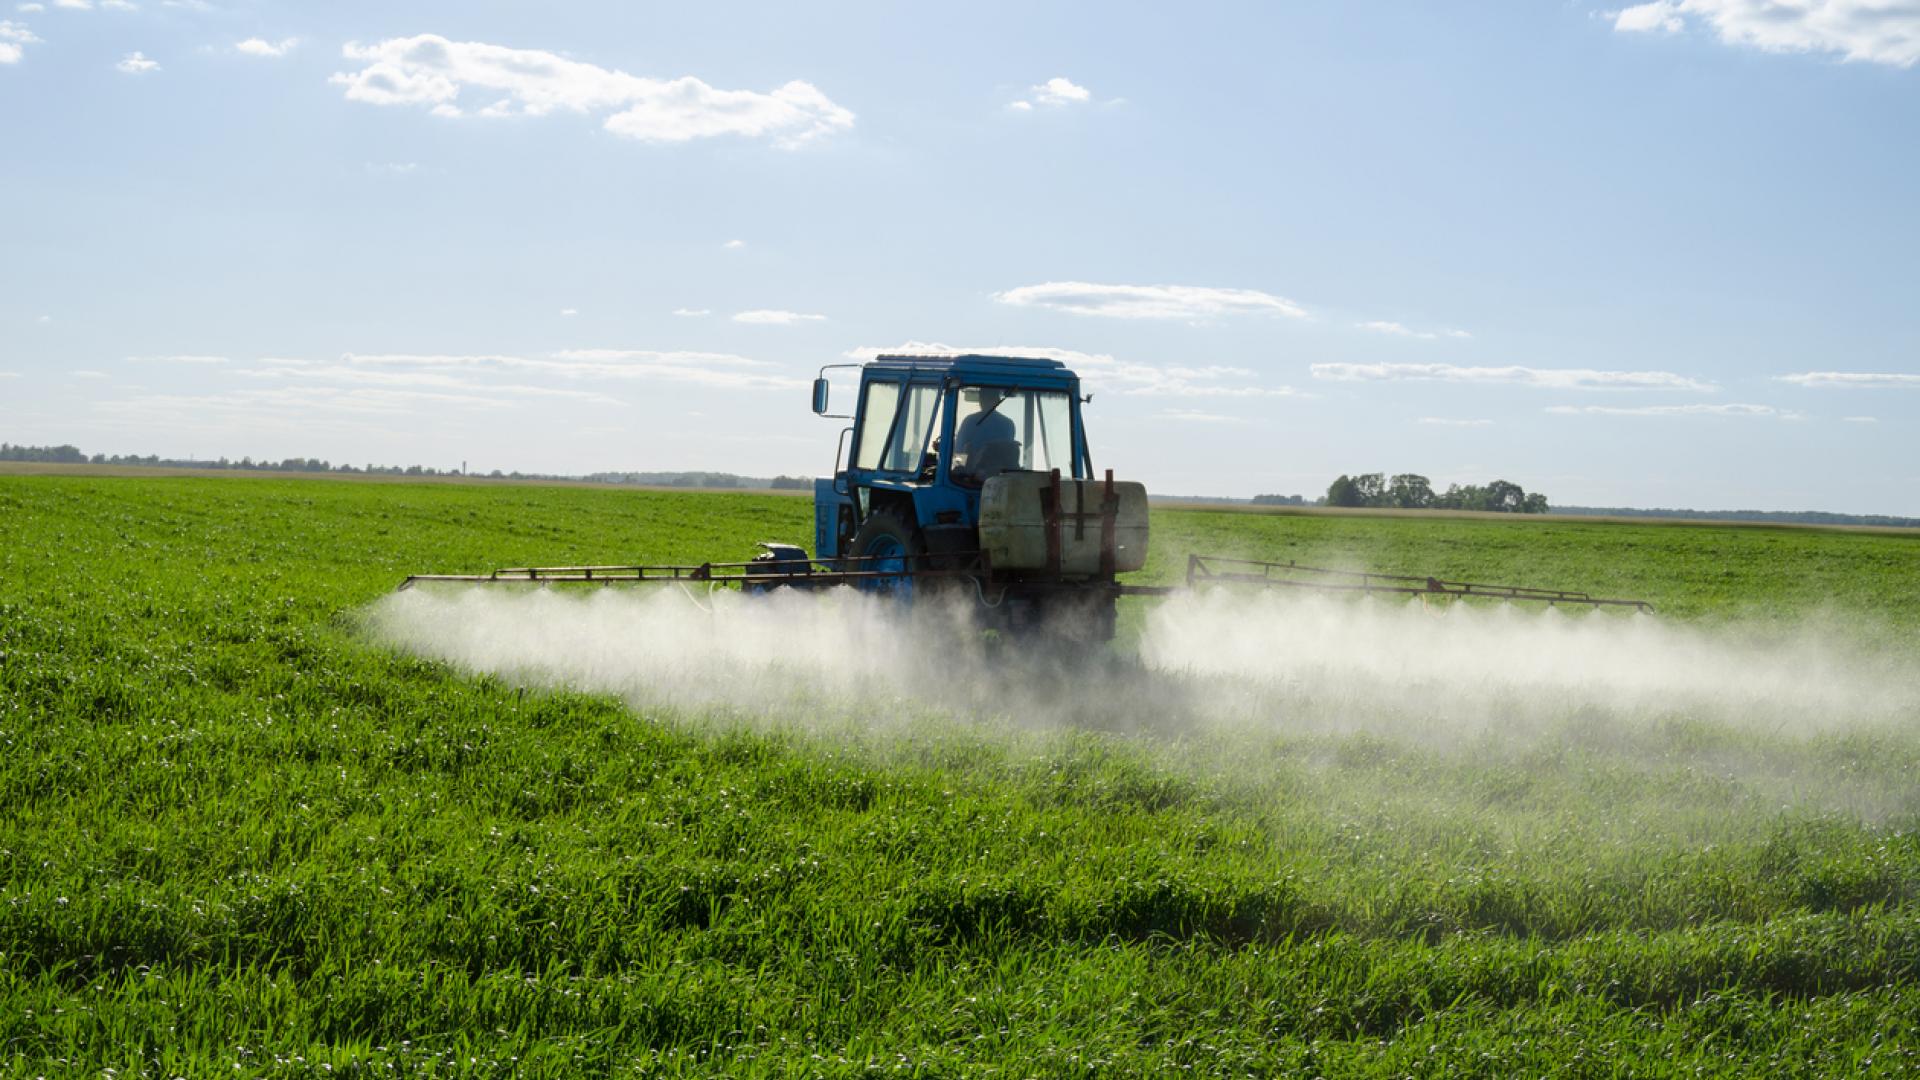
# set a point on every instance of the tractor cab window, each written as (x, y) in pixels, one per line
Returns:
(877, 410)
(997, 430)
(907, 448)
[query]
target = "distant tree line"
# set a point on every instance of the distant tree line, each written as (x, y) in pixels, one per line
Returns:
(73, 455)
(1411, 491)
(1786, 517)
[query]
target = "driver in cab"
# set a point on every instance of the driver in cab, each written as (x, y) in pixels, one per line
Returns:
(984, 444)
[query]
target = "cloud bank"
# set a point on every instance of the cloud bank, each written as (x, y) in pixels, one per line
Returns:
(13, 36)
(1871, 31)
(1675, 410)
(1857, 380)
(444, 76)
(1149, 301)
(1550, 378)
(1394, 329)
(766, 317)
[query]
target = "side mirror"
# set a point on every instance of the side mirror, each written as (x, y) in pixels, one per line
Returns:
(820, 396)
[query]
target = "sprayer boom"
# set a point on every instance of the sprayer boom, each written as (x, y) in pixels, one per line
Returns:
(786, 566)
(780, 566)
(1212, 569)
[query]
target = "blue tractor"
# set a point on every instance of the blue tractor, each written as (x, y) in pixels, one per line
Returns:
(972, 474)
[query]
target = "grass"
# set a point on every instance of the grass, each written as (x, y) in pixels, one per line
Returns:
(237, 838)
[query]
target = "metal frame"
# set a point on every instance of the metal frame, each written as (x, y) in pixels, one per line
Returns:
(765, 572)
(1202, 570)
(1209, 569)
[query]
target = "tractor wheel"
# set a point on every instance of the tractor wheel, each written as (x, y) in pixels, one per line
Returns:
(887, 544)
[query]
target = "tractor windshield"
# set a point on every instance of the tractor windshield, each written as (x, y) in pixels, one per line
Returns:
(907, 449)
(996, 430)
(895, 425)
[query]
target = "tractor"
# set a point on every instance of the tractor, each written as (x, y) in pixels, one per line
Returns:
(973, 473)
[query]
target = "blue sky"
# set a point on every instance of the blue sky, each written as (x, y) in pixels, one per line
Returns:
(1659, 255)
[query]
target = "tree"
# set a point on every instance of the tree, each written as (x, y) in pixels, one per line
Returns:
(1470, 497)
(1343, 492)
(1505, 496)
(1409, 491)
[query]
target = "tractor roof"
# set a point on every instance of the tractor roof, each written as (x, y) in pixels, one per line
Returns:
(977, 367)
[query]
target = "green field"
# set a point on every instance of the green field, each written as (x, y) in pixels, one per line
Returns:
(239, 836)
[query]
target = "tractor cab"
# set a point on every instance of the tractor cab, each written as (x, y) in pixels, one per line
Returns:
(927, 434)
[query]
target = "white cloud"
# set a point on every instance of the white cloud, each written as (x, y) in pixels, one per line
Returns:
(262, 47)
(13, 36)
(706, 369)
(1660, 15)
(119, 5)
(734, 245)
(1442, 421)
(284, 403)
(569, 311)
(1055, 92)
(1099, 371)
(432, 71)
(392, 168)
(136, 63)
(775, 318)
(1394, 329)
(1060, 91)
(1149, 301)
(1857, 380)
(477, 379)
(693, 313)
(1875, 31)
(44, 319)
(9, 374)
(30, 8)
(1551, 378)
(1675, 410)
(74, 5)
(354, 375)
(1861, 419)
(90, 375)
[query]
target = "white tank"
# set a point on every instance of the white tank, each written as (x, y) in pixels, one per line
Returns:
(1015, 524)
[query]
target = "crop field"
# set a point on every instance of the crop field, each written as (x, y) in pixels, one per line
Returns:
(260, 817)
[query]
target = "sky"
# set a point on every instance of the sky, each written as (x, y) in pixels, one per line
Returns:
(1662, 254)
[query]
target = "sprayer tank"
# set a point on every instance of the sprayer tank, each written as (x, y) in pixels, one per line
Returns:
(1028, 519)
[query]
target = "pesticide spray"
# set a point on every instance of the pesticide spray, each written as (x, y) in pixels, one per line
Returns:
(1237, 682)
(1288, 662)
